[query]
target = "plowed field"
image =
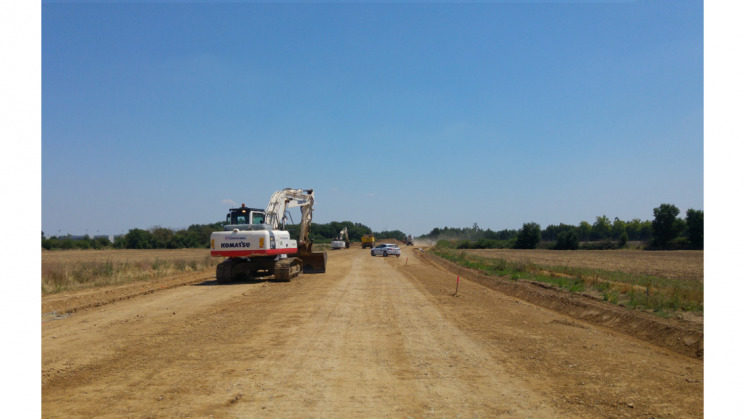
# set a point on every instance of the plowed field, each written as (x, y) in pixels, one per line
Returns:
(372, 337)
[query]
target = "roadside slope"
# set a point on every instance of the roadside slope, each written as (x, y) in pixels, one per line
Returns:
(679, 335)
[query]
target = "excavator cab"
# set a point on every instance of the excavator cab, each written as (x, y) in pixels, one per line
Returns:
(243, 216)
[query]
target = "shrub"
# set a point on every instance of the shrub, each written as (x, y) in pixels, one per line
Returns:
(599, 245)
(484, 244)
(678, 243)
(624, 238)
(444, 244)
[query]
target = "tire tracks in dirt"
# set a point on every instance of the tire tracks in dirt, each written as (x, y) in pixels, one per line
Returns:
(370, 337)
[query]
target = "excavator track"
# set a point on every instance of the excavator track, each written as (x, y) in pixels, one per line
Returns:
(232, 269)
(224, 273)
(288, 268)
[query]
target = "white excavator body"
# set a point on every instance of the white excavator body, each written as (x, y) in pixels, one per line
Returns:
(255, 243)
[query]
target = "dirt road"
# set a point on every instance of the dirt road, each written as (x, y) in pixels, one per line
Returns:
(372, 337)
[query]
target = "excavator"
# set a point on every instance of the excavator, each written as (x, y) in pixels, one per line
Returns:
(255, 241)
(341, 241)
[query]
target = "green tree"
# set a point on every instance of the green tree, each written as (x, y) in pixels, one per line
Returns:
(138, 239)
(601, 229)
(551, 233)
(634, 228)
(101, 242)
(120, 242)
(695, 224)
(529, 236)
(646, 232)
(198, 235)
(389, 234)
(84, 243)
(67, 243)
(161, 237)
(665, 226)
(619, 227)
(357, 231)
(584, 231)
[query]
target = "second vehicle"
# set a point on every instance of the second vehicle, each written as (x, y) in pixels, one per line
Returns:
(386, 249)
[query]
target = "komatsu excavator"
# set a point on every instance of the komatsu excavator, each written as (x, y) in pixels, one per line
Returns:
(256, 246)
(341, 241)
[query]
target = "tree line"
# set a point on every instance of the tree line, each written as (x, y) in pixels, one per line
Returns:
(68, 242)
(198, 236)
(195, 236)
(667, 231)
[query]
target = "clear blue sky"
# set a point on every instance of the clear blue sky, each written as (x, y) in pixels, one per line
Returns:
(402, 116)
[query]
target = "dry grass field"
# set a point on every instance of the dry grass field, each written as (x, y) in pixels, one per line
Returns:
(122, 255)
(79, 269)
(687, 265)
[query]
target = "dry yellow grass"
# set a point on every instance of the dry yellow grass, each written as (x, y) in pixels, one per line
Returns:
(76, 269)
(687, 265)
(121, 255)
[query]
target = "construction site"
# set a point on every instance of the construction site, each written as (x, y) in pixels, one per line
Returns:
(408, 336)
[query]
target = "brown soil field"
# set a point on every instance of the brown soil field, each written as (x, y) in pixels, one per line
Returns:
(685, 265)
(371, 337)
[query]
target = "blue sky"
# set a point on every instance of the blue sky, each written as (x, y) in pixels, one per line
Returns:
(402, 116)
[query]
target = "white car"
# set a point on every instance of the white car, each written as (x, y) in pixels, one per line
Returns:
(386, 249)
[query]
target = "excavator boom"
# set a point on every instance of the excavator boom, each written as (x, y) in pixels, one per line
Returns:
(281, 201)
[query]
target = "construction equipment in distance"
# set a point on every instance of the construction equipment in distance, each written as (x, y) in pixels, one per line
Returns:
(409, 240)
(341, 241)
(256, 246)
(368, 240)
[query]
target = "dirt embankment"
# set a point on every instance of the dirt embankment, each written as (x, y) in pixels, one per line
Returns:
(679, 335)
(72, 301)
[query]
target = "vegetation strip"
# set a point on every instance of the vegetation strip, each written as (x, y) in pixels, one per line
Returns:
(678, 335)
(663, 296)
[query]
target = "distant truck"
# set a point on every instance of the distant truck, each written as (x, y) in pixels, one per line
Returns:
(368, 240)
(409, 240)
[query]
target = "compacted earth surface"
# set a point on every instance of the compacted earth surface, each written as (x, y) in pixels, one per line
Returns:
(371, 337)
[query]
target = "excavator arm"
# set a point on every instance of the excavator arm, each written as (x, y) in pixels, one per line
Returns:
(288, 198)
(285, 199)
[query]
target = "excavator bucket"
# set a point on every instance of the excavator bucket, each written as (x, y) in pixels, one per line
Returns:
(313, 262)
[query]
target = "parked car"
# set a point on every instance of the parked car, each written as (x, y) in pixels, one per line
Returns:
(386, 249)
